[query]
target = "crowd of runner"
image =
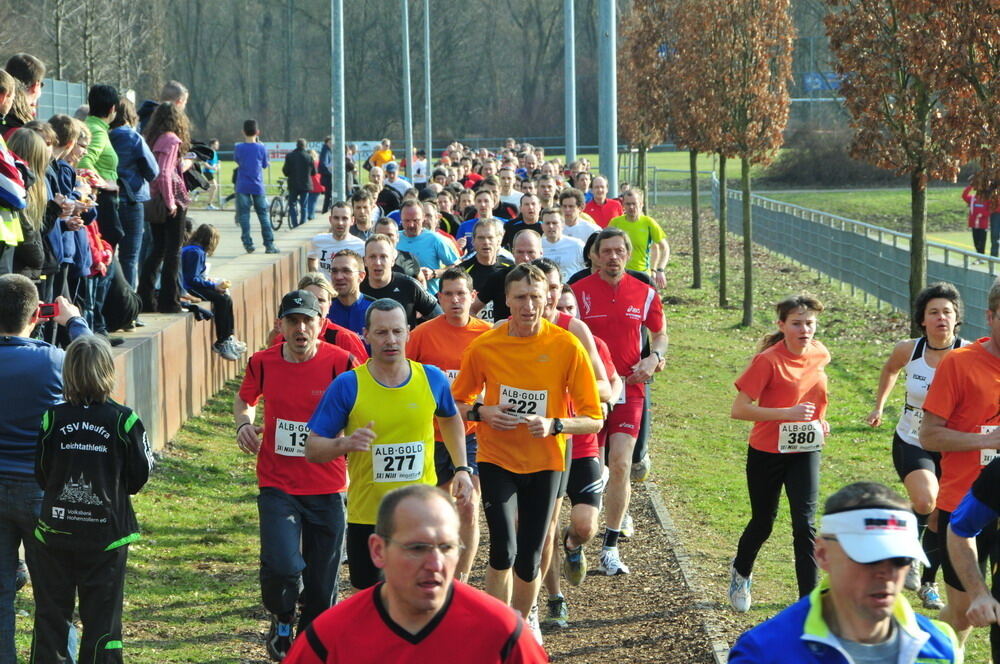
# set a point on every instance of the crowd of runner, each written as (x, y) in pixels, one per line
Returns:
(490, 327)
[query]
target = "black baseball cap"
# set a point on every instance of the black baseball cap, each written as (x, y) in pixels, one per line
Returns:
(299, 302)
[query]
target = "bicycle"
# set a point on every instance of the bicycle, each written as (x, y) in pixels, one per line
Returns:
(279, 205)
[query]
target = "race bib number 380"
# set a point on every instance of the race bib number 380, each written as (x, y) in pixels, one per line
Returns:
(290, 438)
(397, 462)
(524, 402)
(800, 437)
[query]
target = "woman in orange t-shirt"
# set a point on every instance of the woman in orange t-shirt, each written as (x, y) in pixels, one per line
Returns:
(783, 392)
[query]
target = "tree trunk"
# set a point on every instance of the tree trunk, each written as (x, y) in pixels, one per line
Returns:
(918, 239)
(723, 230)
(695, 230)
(747, 247)
(640, 176)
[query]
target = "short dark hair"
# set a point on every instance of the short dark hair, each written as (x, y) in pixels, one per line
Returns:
(942, 290)
(523, 272)
(300, 143)
(360, 196)
(26, 68)
(101, 99)
(865, 495)
(382, 304)
(385, 522)
(607, 234)
(18, 302)
(457, 273)
(250, 128)
(572, 192)
(547, 266)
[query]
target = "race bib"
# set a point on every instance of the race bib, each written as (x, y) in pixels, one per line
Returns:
(451, 374)
(397, 462)
(916, 417)
(800, 437)
(985, 456)
(290, 438)
(524, 402)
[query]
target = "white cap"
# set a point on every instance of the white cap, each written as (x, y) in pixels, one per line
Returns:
(871, 534)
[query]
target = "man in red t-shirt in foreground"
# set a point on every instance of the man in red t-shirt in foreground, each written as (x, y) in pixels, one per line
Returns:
(420, 613)
(301, 504)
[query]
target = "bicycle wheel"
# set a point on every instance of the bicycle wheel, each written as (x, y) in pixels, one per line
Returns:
(277, 212)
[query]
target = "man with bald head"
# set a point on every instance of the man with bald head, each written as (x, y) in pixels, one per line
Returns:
(420, 612)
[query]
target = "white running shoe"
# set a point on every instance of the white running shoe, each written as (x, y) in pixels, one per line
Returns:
(627, 529)
(611, 563)
(930, 597)
(536, 629)
(912, 581)
(739, 590)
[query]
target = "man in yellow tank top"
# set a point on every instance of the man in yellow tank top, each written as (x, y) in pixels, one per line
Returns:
(386, 410)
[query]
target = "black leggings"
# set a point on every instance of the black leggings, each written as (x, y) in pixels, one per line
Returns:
(528, 499)
(222, 310)
(767, 473)
(164, 251)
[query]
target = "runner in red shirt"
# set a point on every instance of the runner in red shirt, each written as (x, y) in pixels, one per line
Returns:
(420, 613)
(298, 501)
(616, 306)
(601, 208)
(338, 335)
(441, 342)
(584, 484)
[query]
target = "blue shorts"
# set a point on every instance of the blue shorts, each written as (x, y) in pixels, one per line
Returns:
(442, 460)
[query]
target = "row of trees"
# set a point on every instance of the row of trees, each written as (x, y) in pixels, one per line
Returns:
(497, 64)
(721, 70)
(921, 82)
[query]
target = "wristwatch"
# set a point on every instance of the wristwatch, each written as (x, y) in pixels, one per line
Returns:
(467, 469)
(557, 426)
(658, 354)
(473, 415)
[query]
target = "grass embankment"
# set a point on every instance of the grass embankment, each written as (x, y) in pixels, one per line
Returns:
(700, 453)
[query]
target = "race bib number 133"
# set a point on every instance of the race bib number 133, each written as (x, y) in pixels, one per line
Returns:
(290, 438)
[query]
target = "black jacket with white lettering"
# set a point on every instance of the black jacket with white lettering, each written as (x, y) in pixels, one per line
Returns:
(88, 461)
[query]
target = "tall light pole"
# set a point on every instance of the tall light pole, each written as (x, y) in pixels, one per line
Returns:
(428, 134)
(407, 93)
(569, 55)
(339, 174)
(607, 93)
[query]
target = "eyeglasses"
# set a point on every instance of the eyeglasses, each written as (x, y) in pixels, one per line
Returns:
(418, 550)
(898, 561)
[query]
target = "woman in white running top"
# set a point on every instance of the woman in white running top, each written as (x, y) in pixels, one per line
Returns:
(938, 310)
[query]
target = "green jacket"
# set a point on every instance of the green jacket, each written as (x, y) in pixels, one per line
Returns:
(100, 156)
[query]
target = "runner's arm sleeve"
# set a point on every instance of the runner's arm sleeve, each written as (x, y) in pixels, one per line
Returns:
(139, 457)
(523, 648)
(425, 303)
(469, 381)
(309, 648)
(746, 651)
(755, 378)
(442, 392)
(447, 253)
(252, 386)
(583, 385)
(331, 414)
(980, 506)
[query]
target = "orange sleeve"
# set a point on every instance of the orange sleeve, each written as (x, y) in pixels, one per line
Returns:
(942, 395)
(470, 380)
(756, 377)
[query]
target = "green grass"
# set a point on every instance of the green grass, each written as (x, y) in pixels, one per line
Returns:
(700, 453)
(885, 207)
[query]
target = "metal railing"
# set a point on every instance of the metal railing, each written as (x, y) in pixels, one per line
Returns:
(864, 257)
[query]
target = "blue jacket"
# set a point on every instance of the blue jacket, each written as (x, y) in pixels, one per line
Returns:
(193, 268)
(799, 635)
(325, 160)
(30, 384)
(137, 166)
